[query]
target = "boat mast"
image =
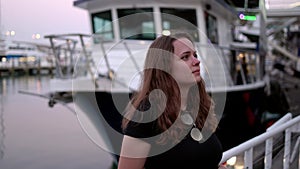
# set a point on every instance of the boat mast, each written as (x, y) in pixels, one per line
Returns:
(2, 44)
(0, 20)
(2, 34)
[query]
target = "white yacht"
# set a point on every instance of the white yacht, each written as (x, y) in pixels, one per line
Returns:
(21, 55)
(106, 70)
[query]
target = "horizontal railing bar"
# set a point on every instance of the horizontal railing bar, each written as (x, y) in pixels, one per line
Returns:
(67, 35)
(281, 121)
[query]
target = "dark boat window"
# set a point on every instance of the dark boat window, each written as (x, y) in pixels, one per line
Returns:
(171, 24)
(102, 26)
(211, 28)
(136, 23)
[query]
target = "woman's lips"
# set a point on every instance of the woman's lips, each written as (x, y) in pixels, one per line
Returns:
(196, 71)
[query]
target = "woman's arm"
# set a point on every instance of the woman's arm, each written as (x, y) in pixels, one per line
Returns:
(133, 153)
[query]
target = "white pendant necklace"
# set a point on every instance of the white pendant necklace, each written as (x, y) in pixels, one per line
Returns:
(187, 119)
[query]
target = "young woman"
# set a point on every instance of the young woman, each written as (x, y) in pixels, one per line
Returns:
(170, 122)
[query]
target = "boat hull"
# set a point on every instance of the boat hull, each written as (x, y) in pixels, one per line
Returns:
(240, 121)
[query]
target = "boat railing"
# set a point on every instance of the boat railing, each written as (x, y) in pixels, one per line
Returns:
(240, 67)
(286, 125)
(64, 48)
(85, 60)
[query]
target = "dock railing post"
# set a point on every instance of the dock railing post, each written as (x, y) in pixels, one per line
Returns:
(94, 79)
(269, 142)
(57, 67)
(268, 153)
(248, 158)
(287, 149)
(299, 157)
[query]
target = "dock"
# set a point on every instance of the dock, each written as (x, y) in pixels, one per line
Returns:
(27, 70)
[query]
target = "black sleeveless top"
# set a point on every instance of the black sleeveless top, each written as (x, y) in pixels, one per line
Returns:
(187, 154)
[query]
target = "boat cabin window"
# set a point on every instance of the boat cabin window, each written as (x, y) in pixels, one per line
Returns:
(102, 26)
(136, 23)
(211, 28)
(170, 23)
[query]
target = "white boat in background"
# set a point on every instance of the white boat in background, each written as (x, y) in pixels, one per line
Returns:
(122, 32)
(21, 55)
(102, 70)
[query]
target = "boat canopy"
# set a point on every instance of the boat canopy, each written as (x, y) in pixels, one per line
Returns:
(140, 20)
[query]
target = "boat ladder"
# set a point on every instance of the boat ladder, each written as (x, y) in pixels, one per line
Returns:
(287, 125)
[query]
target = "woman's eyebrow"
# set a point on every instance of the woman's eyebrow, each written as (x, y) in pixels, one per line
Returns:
(188, 52)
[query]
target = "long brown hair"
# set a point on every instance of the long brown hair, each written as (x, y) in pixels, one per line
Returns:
(156, 76)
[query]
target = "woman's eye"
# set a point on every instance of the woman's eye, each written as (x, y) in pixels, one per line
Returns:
(185, 57)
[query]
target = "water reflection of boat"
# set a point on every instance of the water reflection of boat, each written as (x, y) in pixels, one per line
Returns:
(2, 129)
(106, 73)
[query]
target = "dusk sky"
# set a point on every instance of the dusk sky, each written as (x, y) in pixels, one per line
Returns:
(44, 17)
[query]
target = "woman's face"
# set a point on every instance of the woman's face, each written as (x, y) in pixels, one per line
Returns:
(185, 66)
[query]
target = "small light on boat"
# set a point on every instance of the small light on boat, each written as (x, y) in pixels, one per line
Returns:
(22, 59)
(30, 59)
(7, 33)
(242, 16)
(166, 32)
(241, 56)
(3, 60)
(231, 161)
(37, 36)
(12, 33)
(142, 42)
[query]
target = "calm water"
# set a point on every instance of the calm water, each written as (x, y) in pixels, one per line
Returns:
(35, 136)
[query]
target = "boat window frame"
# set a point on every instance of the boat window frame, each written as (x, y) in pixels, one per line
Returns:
(101, 35)
(137, 36)
(194, 10)
(215, 30)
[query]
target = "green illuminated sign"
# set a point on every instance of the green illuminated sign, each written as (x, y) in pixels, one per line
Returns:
(247, 17)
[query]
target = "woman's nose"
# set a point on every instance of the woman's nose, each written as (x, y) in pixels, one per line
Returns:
(196, 61)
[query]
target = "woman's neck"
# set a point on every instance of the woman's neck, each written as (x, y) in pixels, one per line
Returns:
(183, 95)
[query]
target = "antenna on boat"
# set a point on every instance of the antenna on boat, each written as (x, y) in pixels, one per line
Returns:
(0, 19)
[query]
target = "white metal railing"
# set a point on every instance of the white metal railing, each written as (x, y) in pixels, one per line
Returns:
(286, 124)
(269, 142)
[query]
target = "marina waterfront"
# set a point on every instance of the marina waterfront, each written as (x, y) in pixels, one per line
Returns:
(35, 136)
(251, 68)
